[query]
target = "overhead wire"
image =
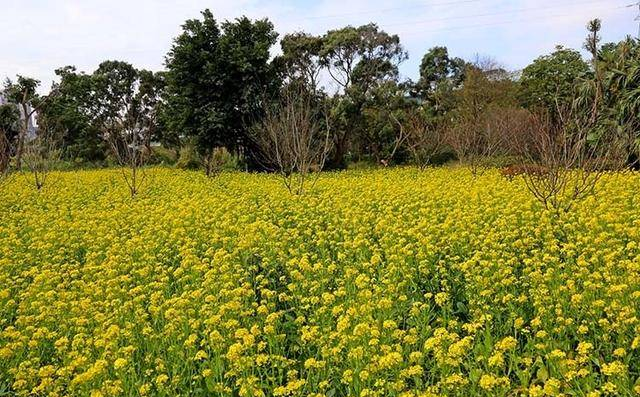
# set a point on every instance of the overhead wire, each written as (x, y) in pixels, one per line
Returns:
(497, 23)
(382, 10)
(455, 17)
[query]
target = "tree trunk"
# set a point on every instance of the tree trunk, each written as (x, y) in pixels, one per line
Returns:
(5, 152)
(21, 138)
(338, 159)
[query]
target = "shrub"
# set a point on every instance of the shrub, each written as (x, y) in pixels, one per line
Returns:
(189, 158)
(162, 156)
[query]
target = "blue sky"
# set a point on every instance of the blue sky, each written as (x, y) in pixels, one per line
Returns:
(39, 36)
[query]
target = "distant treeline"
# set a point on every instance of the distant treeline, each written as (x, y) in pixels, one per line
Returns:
(222, 92)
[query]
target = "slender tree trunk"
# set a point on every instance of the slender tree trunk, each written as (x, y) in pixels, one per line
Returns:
(5, 153)
(21, 138)
(134, 181)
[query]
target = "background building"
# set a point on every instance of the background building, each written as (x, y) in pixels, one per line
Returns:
(33, 120)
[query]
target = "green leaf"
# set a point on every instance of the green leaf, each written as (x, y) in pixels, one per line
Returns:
(542, 374)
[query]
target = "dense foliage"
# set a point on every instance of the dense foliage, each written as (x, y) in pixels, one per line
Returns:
(9, 130)
(381, 283)
(550, 80)
(218, 79)
(223, 77)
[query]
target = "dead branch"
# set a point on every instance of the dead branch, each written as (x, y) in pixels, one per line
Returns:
(424, 140)
(294, 139)
(567, 160)
(42, 153)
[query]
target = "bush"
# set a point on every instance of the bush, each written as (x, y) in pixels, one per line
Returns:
(362, 165)
(227, 161)
(189, 158)
(443, 157)
(162, 156)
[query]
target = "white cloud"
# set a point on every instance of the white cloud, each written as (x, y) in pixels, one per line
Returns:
(42, 35)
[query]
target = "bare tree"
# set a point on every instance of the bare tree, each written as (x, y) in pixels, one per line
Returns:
(475, 139)
(423, 139)
(512, 124)
(129, 147)
(23, 93)
(126, 131)
(124, 105)
(561, 162)
(42, 153)
(295, 139)
(474, 130)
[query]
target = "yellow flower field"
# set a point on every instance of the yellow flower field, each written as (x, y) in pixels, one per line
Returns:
(379, 283)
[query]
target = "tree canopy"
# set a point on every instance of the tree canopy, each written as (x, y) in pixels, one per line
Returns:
(222, 77)
(551, 80)
(217, 77)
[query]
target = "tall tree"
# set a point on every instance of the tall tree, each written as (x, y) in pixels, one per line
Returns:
(592, 41)
(592, 44)
(300, 58)
(439, 76)
(437, 67)
(194, 84)
(619, 104)
(216, 80)
(70, 110)
(358, 59)
(362, 55)
(550, 81)
(248, 76)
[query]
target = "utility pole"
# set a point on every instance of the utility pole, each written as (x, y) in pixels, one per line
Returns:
(638, 17)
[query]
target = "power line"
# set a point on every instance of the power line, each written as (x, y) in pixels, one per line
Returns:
(511, 21)
(638, 17)
(382, 10)
(515, 11)
(507, 12)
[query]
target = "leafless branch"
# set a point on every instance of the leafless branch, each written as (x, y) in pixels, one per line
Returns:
(294, 139)
(476, 138)
(129, 143)
(42, 153)
(561, 162)
(424, 140)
